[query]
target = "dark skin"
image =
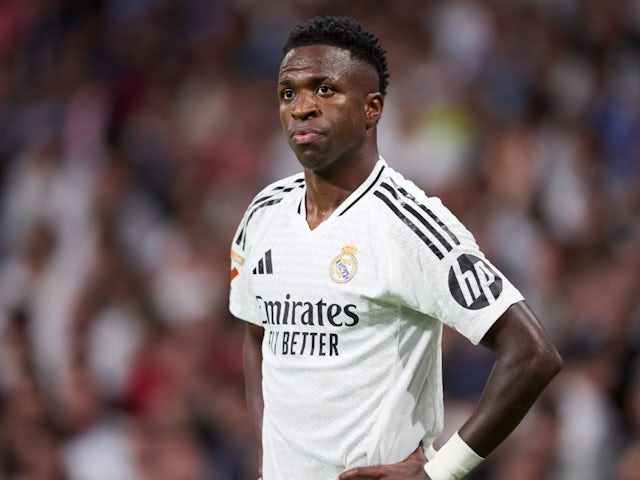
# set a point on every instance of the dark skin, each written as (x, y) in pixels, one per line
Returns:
(329, 109)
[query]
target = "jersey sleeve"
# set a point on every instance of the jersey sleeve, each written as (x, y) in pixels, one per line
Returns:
(449, 278)
(242, 303)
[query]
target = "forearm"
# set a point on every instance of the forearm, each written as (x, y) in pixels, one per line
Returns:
(252, 364)
(505, 400)
(525, 364)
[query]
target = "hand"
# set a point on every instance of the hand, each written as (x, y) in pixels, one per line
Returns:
(411, 468)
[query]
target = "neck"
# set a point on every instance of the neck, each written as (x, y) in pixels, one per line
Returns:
(327, 190)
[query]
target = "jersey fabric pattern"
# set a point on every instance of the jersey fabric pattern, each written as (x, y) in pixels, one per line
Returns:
(353, 312)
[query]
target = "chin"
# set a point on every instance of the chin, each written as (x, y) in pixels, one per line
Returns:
(312, 160)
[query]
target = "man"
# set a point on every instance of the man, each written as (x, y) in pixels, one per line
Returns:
(346, 274)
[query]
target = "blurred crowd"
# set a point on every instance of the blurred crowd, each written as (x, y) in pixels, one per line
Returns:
(133, 134)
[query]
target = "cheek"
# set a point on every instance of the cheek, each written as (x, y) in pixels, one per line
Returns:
(284, 118)
(282, 112)
(351, 116)
(357, 121)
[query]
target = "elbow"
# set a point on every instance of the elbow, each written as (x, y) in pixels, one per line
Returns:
(545, 363)
(553, 363)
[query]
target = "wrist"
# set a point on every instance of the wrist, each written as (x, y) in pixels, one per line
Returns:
(453, 461)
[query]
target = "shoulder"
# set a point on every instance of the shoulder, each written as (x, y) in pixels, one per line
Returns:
(418, 219)
(274, 194)
(277, 191)
(266, 200)
(402, 196)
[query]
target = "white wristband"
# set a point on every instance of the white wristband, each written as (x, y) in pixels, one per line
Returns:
(453, 461)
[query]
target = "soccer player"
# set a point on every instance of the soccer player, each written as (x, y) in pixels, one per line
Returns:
(346, 274)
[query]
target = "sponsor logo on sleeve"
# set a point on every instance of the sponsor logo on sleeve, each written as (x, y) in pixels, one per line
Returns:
(473, 282)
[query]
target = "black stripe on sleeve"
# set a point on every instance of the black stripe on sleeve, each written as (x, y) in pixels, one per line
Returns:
(432, 215)
(443, 241)
(270, 198)
(241, 238)
(276, 191)
(414, 228)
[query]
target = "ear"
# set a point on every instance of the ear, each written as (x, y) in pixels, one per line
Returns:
(373, 108)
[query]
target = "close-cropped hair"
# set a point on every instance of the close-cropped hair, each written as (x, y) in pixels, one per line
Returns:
(346, 33)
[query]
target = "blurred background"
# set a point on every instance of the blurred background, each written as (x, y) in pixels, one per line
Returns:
(134, 133)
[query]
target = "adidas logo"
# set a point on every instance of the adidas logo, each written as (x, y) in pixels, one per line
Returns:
(265, 266)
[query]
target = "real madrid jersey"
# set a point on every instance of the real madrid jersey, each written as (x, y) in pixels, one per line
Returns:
(353, 313)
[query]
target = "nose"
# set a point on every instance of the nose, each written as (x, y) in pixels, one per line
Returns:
(304, 106)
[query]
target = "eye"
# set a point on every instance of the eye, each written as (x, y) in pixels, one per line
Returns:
(324, 90)
(286, 94)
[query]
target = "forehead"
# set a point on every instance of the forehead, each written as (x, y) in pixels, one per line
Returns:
(321, 60)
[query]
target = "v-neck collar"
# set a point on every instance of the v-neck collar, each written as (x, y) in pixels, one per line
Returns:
(348, 202)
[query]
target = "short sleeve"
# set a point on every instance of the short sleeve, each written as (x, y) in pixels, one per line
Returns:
(242, 303)
(444, 274)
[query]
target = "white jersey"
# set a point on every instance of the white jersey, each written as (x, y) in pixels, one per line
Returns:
(353, 313)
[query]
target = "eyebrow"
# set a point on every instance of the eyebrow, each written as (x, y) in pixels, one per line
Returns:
(313, 80)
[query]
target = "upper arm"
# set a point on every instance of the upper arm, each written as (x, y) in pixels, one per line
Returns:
(518, 334)
(254, 333)
(526, 361)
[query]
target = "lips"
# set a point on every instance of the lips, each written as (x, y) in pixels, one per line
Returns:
(304, 136)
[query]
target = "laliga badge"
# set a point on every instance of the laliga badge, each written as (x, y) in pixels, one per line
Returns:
(344, 266)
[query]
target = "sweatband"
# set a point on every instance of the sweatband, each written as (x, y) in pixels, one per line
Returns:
(453, 461)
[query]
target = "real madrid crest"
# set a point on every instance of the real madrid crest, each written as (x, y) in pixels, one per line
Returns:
(344, 266)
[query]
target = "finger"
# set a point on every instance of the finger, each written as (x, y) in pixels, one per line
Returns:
(418, 453)
(361, 473)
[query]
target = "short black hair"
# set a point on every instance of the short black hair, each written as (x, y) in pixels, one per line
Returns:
(342, 32)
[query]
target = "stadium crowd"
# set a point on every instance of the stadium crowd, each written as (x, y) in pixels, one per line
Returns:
(133, 134)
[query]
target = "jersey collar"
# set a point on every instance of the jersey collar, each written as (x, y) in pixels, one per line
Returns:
(357, 194)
